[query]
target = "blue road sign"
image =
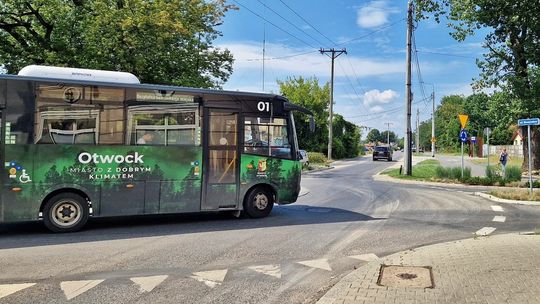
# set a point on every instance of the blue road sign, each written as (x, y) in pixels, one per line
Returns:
(473, 139)
(528, 122)
(463, 135)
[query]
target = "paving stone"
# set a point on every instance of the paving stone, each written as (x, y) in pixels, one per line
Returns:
(494, 269)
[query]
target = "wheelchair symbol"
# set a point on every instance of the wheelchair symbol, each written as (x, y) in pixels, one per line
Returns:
(24, 178)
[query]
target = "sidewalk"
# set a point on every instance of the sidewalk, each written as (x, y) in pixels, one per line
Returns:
(494, 269)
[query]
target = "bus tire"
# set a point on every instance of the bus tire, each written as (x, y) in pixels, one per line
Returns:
(65, 212)
(258, 202)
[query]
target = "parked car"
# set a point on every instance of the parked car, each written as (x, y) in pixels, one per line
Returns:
(382, 152)
(305, 158)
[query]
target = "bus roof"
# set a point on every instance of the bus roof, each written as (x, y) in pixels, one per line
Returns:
(194, 91)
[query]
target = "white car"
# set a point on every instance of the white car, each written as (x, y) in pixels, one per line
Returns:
(305, 157)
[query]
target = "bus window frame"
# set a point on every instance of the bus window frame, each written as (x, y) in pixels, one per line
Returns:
(90, 113)
(163, 109)
(290, 132)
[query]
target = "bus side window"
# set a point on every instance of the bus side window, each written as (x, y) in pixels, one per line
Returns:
(265, 136)
(164, 126)
(67, 127)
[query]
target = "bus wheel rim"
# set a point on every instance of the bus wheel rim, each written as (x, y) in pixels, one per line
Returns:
(261, 201)
(66, 213)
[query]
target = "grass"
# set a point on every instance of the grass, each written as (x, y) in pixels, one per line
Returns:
(424, 170)
(517, 194)
(494, 160)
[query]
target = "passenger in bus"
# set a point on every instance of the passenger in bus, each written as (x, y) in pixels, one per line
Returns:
(146, 139)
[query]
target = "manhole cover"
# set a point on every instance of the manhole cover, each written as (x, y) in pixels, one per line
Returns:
(406, 276)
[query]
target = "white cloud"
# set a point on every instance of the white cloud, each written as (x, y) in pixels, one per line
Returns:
(376, 109)
(374, 14)
(376, 97)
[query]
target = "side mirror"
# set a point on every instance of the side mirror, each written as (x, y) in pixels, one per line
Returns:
(311, 124)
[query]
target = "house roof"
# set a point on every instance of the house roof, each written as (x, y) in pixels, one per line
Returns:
(516, 134)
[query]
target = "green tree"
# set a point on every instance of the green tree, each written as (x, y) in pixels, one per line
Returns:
(309, 94)
(374, 136)
(447, 125)
(512, 59)
(385, 135)
(346, 138)
(168, 42)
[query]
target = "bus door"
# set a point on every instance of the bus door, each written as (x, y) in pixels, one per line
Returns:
(221, 159)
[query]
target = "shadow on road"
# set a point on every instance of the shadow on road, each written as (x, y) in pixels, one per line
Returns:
(31, 234)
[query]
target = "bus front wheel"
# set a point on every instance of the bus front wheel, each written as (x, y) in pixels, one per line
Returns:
(65, 212)
(258, 202)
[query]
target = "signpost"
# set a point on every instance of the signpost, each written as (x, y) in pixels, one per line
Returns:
(529, 122)
(487, 131)
(463, 138)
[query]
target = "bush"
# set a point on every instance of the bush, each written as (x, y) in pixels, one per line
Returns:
(491, 172)
(452, 173)
(536, 184)
(317, 158)
(442, 172)
(513, 173)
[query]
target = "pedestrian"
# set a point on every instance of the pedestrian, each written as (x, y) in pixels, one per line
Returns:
(503, 159)
(146, 139)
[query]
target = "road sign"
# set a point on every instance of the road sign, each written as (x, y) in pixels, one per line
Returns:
(528, 122)
(433, 139)
(463, 135)
(463, 120)
(473, 139)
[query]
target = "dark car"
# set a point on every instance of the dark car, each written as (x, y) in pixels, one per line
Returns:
(382, 152)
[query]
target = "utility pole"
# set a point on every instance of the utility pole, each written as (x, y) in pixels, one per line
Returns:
(433, 124)
(388, 132)
(408, 135)
(417, 130)
(334, 54)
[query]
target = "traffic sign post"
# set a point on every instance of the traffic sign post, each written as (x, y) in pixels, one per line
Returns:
(463, 138)
(487, 131)
(529, 122)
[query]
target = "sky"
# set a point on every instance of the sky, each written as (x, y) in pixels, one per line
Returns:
(369, 82)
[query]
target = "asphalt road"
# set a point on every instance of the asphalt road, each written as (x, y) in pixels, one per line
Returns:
(293, 256)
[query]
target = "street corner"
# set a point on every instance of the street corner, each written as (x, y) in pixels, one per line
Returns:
(506, 201)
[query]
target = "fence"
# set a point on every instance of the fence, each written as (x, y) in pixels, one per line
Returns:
(513, 150)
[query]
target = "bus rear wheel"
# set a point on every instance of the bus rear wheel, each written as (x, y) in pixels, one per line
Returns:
(65, 212)
(258, 202)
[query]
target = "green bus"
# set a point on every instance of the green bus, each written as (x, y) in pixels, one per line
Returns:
(79, 143)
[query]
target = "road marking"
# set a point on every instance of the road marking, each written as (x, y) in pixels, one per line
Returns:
(497, 208)
(485, 231)
(271, 270)
(147, 284)
(499, 218)
(7, 289)
(210, 278)
(74, 288)
(365, 257)
(320, 263)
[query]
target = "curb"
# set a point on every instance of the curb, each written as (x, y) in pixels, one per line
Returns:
(506, 201)
(316, 170)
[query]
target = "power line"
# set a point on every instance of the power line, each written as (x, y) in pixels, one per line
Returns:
(240, 4)
(373, 32)
(279, 15)
(278, 58)
(312, 26)
(392, 110)
(446, 54)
